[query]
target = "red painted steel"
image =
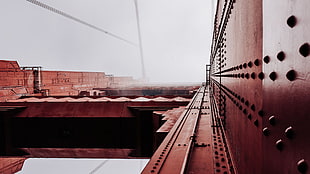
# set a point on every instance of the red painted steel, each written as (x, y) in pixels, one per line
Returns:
(10, 165)
(19, 81)
(286, 97)
(259, 77)
(87, 108)
(194, 144)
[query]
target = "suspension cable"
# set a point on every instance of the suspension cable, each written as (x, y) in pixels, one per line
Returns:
(78, 20)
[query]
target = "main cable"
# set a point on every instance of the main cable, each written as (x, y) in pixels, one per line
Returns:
(40, 4)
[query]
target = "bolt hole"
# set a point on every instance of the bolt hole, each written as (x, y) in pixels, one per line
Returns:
(304, 50)
(291, 75)
(291, 21)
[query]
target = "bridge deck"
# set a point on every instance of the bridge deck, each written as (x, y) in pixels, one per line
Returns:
(196, 144)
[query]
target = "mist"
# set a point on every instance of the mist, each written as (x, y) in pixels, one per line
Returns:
(175, 36)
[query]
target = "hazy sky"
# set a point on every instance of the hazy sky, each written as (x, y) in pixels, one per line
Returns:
(82, 166)
(176, 37)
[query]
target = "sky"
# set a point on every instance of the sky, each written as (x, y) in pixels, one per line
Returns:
(175, 34)
(82, 166)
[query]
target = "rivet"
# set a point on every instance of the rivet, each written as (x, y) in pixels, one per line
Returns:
(242, 75)
(158, 160)
(261, 75)
(247, 103)
(253, 75)
(245, 111)
(240, 66)
(272, 120)
(279, 145)
(253, 107)
(247, 75)
(281, 56)
(261, 113)
(291, 21)
(304, 49)
(240, 107)
(256, 122)
(250, 64)
(152, 171)
(245, 65)
(291, 75)
(302, 166)
(154, 167)
(273, 76)
(249, 116)
(256, 62)
(266, 59)
(289, 132)
(242, 100)
(266, 131)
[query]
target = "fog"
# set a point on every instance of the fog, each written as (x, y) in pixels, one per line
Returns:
(175, 36)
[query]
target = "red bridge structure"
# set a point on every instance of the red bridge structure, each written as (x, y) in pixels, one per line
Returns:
(251, 115)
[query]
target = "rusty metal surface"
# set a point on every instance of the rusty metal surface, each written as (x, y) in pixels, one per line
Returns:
(195, 144)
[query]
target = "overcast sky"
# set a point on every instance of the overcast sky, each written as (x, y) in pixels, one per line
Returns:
(176, 37)
(83, 166)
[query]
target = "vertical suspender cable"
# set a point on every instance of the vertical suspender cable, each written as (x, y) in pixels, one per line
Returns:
(140, 41)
